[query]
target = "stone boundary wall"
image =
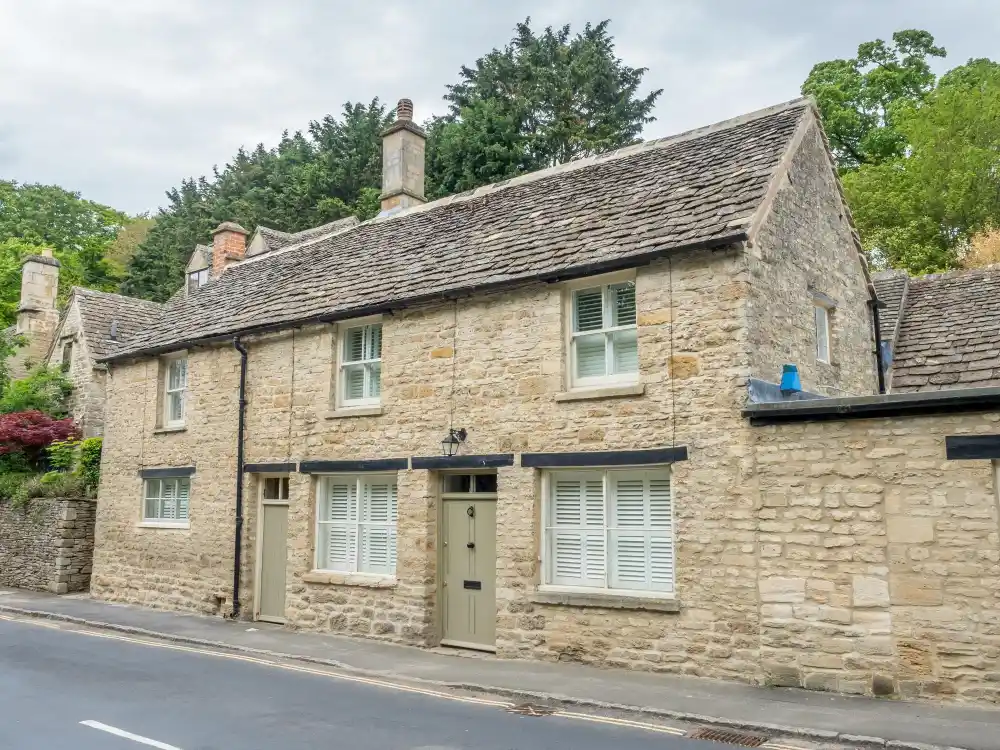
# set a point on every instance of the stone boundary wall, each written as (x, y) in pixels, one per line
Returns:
(878, 558)
(47, 545)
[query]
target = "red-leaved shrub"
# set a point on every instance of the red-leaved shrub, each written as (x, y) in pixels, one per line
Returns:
(29, 432)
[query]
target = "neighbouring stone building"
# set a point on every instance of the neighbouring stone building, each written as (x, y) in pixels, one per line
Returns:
(89, 328)
(524, 419)
(47, 544)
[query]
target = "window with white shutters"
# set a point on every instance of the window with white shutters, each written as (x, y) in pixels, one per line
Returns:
(166, 501)
(604, 345)
(610, 530)
(361, 365)
(357, 524)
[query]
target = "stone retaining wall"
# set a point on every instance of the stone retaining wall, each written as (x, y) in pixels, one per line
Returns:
(47, 545)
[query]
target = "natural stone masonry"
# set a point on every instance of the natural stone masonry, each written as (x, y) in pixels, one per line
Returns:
(47, 545)
(496, 364)
(879, 560)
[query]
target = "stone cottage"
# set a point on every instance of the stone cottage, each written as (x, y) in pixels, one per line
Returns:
(89, 328)
(508, 420)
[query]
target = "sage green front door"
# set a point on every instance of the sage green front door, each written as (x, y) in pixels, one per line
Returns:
(273, 549)
(469, 571)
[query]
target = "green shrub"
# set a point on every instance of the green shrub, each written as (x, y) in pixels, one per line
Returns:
(52, 484)
(63, 454)
(46, 389)
(12, 483)
(90, 463)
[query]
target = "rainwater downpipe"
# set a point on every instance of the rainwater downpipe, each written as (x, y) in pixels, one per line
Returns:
(879, 364)
(240, 429)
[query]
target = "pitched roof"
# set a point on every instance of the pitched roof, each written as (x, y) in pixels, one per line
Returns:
(275, 239)
(949, 334)
(890, 286)
(98, 310)
(615, 210)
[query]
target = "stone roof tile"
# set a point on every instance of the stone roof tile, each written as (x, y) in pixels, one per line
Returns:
(949, 332)
(612, 210)
(98, 310)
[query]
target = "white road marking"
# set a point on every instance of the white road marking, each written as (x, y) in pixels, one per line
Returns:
(128, 735)
(337, 676)
(622, 722)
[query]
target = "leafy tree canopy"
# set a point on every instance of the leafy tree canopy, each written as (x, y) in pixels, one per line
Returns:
(860, 98)
(332, 171)
(78, 231)
(542, 100)
(918, 210)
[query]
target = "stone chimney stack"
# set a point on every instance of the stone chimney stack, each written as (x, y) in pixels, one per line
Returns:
(229, 245)
(37, 316)
(402, 162)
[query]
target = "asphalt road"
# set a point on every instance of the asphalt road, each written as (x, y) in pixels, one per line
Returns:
(53, 679)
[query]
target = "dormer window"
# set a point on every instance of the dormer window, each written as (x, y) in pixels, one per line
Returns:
(197, 279)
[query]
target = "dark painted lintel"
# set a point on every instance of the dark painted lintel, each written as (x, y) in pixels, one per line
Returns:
(175, 471)
(463, 462)
(964, 447)
(336, 467)
(605, 458)
(270, 468)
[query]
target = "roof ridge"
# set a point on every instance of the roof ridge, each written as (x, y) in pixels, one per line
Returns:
(569, 166)
(956, 273)
(85, 291)
(604, 156)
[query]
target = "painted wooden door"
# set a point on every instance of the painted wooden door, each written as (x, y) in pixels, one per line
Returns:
(469, 573)
(274, 555)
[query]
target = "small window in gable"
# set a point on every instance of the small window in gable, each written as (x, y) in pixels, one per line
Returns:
(604, 346)
(822, 320)
(360, 372)
(67, 357)
(197, 279)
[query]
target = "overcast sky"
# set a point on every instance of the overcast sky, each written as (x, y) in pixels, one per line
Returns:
(121, 99)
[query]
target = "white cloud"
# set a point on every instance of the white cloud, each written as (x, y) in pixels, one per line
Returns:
(121, 100)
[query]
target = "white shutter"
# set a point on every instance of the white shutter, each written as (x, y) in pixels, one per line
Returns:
(183, 494)
(577, 551)
(339, 527)
(588, 310)
(642, 533)
(152, 510)
(168, 503)
(661, 541)
(378, 529)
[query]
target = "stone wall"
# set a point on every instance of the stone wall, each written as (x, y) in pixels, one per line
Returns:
(805, 246)
(88, 397)
(879, 564)
(497, 362)
(47, 544)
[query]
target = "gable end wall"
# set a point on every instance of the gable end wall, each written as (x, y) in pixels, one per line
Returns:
(805, 243)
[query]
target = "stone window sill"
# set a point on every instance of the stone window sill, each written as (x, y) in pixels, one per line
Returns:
(358, 411)
(612, 391)
(164, 525)
(662, 603)
(336, 578)
(171, 428)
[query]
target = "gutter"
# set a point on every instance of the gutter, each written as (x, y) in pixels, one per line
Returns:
(869, 407)
(240, 430)
(590, 269)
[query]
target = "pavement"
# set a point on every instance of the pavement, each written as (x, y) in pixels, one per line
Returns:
(780, 712)
(67, 690)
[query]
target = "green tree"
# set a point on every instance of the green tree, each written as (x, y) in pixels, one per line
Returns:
(332, 171)
(917, 210)
(78, 231)
(542, 100)
(860, 98)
